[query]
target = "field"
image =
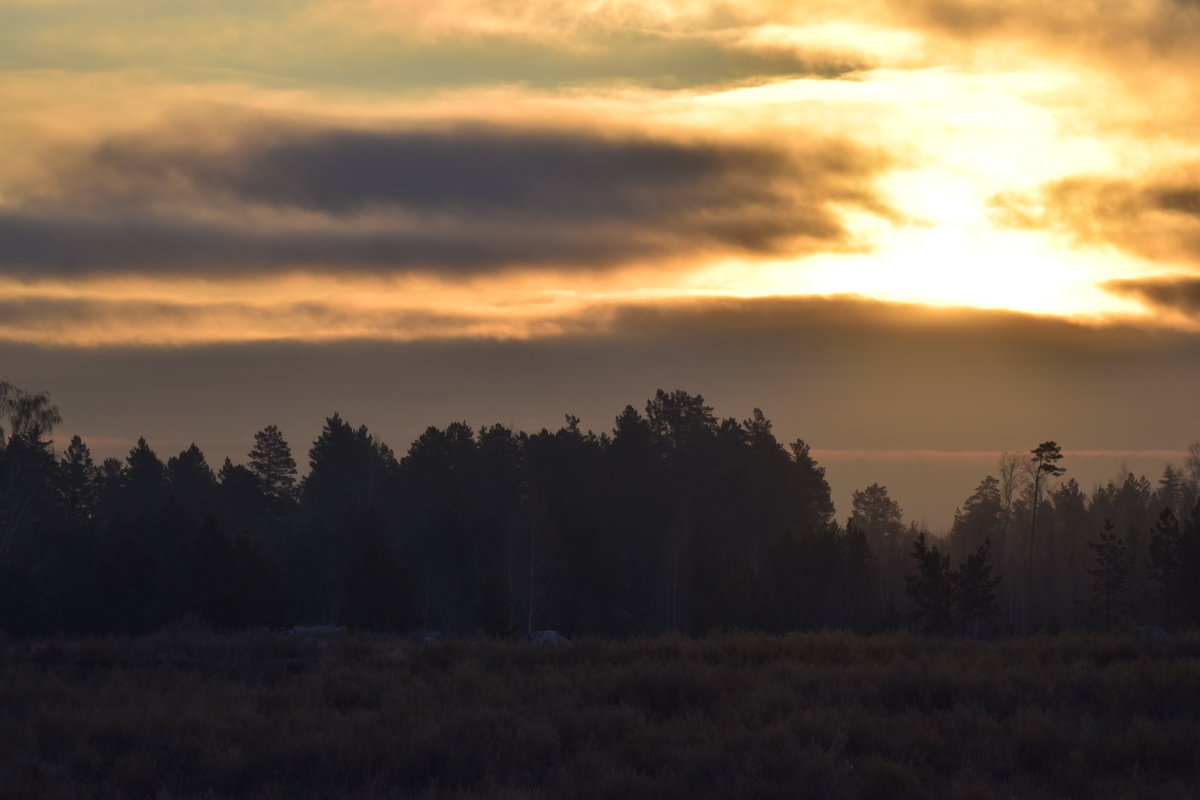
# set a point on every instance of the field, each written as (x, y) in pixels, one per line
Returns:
(200, 714)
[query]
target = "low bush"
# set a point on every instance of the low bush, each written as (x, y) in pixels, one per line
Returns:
(194, 713)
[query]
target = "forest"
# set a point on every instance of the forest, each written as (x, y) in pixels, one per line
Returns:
(674, 521)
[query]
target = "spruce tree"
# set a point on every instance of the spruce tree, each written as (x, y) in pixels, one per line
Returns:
(975, 588)
(1110, 574)
(930, 590)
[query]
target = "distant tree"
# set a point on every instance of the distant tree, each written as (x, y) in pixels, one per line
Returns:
(638, 520)
(30, 415)
(1191, 465)
(191, 480)
(1170, 489)
(110, 483)
(1189, 481)
(876, 514)
(26, 462)
(859, 569)
(684, 431)
(809, 490)
(945, 600)
(1009, 470)
(1073, 523)
(561, 561)
(144, 477)
(679, 421)
(1189, 568)
(271, 460)
(349, 469)
(981, 516)
(931, 589)
(1041, 467)
(436, 481)
(974, 588)
(1166, 566)
(233, 584)
(881, 521)
(1110, 569)
(78, 483)
(242, 502)
(376, 588)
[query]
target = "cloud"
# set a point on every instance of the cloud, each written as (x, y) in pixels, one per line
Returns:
(276, 195)
(843, 373)
(99, 322)
(1180, 294)
(1156, 218)
(1106, 31)
(401, 45)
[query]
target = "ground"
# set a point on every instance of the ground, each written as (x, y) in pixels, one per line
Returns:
(201, 714)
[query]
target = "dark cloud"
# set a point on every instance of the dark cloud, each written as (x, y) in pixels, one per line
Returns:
(476, 170)
(1158, 219)
(71, 245)
(1101, 30)
(469, 198)
(1174, 294)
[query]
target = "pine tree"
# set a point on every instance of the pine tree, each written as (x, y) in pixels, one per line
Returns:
(271, 461)
(1042, 466)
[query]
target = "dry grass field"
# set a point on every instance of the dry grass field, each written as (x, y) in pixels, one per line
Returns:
(201, 714)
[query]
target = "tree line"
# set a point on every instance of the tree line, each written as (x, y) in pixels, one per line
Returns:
(676, 520)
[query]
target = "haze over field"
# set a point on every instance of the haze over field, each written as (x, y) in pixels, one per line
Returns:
(917, 234)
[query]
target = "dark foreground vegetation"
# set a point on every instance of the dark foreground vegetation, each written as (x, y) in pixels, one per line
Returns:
(194, 714)
(676, 520)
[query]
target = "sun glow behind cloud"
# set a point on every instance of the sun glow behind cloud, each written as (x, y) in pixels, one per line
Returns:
(882, 141)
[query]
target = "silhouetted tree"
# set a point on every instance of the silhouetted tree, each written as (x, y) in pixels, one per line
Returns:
(271, 461)
(1065, 578)
(931, 589)
(78, 483)
(974, 588)
(881, 520)
(980, 518)
(1041, 467)
(26, 462)
(377, 596)
(1189, 568)
(242, 504)
(30, 415)
(349, 469)
(144, 479)
(676, 520)
(191, 481)
(1110, 574)
(860, 576)
(1166, 567)
(233, 584)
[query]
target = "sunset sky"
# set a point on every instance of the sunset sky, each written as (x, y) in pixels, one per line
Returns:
(915, 233)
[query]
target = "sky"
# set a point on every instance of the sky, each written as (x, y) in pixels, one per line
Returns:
(916, 234)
